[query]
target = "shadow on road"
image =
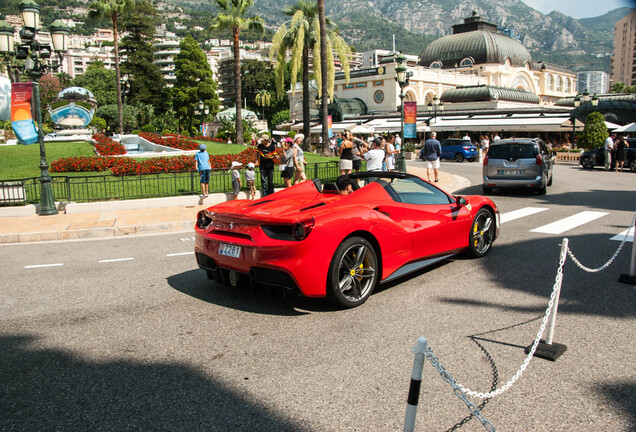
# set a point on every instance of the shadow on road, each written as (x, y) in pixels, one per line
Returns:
(269, 302)
(621, 395)
(531, 267)
(46, 389)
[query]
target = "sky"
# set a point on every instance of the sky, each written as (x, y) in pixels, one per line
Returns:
(579, 8)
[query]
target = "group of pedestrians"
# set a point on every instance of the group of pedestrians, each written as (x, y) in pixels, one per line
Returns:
(353, 150)
(614, 150)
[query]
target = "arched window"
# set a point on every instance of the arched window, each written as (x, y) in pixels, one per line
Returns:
(567, 85)
(548, 82)
(436, 65)
(559, 86)
(468, 61)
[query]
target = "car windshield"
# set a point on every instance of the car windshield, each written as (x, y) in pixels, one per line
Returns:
(409, 190)
(512, 151)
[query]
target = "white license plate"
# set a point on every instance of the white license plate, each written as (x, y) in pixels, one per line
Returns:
(229, 250)
(511, 172)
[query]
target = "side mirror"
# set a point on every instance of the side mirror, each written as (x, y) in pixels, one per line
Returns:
(461, 201)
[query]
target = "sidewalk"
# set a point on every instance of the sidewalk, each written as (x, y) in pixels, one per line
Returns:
(132, 217)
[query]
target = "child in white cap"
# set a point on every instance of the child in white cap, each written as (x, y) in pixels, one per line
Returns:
(236, 178)
(250, 179)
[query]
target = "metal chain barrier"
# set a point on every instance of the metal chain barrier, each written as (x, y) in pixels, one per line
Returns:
(555, 289)
(428, 353)
(607, 264)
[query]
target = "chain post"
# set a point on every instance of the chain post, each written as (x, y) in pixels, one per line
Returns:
(553, 313)
(416, 383)
(631, 277)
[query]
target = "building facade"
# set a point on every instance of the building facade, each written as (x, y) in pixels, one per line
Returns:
(474, 55)
(623, 61)
(595, 82)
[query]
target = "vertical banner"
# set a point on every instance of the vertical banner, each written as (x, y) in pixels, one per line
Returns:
(410, 119)
(329, 125)
(21, 119)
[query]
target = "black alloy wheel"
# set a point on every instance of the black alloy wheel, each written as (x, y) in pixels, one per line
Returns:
(353, 273)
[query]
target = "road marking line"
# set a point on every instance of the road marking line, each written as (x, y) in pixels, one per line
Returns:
(116, 260)
(43, 265)
(569, 223)
(180, 253)
(517, 214)
(621, 236)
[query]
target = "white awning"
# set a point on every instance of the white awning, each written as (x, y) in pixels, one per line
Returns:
(627, 128)
(514, 123)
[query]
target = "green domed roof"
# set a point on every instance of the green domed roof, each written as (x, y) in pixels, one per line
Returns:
(481, 45)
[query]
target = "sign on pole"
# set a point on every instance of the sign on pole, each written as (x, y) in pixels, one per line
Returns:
(410, 119)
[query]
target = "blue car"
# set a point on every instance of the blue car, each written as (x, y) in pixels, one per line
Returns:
(458, 149)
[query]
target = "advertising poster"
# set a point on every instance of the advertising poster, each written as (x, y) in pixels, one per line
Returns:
(21, 119)
(329, 124)
(410, 119)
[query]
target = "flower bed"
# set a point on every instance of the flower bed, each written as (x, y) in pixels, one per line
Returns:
(107, 147)
(121, 166)
(174, 141)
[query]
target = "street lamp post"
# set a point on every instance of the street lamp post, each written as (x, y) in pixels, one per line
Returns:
(434, 106)
(202, 110)
(577, 102)
(35, 54)
(402, 78)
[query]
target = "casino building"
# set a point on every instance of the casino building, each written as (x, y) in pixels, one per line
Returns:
(475, 69)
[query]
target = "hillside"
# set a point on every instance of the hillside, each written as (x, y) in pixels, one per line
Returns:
(367, 24)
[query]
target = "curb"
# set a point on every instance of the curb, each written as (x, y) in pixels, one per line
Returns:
(92, 233)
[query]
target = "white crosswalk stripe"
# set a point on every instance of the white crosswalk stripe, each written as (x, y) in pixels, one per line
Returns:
(569, 223)
(621, 236)
(517, 214)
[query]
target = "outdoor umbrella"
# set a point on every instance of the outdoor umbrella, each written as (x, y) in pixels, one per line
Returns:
(361, 129)
(627, 128)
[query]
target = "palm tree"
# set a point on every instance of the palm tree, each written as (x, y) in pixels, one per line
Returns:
(113, 9)
(263, 99)
(324, 80)
(303, 35)
(232, 17)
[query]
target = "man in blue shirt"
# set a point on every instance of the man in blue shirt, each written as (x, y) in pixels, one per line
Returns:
(432, 153)
(202, 164)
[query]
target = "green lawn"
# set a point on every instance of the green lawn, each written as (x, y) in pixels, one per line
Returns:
(23, 161)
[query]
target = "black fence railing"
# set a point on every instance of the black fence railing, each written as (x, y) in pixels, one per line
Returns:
(108, 187)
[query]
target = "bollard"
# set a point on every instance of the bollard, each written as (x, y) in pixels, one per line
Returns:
(546, 349)
(414, 388)
(631, 277)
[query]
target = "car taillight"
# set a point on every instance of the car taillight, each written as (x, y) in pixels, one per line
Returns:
(204, 219)
(539, 160)
(301, 230)
(486, 160)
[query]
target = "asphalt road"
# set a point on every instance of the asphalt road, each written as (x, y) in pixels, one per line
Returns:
(127, 333)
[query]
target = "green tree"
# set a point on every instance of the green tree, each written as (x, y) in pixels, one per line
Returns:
(263, 99)
(595, 132)
(100, 81)
(233, 17)
(50, 86)
(255, 76)
(302, 36)
(110, 113)
(147, 85)
(280, 117)
(113, 9)
(194, 83)
(620, 87)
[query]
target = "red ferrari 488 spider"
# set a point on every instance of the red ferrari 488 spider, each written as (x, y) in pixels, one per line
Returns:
(323, 242)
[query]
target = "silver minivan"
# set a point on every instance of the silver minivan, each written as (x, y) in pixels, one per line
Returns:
(517, 163)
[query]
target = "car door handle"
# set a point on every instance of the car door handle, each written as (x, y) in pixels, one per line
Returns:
(417, 226)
